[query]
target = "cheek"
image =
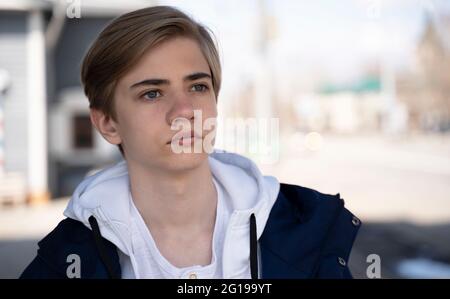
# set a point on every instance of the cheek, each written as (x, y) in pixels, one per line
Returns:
(210, 109)
(141, 124)
(209, 117)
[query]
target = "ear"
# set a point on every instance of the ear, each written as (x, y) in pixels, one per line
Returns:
(106, 126)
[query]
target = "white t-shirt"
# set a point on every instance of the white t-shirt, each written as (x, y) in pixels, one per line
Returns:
(152, 264)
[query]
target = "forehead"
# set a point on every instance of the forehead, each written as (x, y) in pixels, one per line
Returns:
(173, 58)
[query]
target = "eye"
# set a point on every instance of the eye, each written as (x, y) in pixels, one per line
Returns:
(152, 94)
(199, 87)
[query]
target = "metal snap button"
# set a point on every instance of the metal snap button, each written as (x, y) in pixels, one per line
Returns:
(356, 221)
(342, 261)
(192, 276)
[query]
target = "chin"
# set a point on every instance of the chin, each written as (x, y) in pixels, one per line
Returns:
(186, 161)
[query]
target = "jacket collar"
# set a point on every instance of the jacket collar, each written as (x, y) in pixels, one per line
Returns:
(304, 226)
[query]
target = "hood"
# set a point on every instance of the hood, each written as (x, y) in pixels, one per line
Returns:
(106, 196)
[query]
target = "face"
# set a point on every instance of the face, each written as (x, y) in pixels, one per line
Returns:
(170, 85)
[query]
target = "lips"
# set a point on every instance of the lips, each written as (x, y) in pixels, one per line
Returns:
(184, 136)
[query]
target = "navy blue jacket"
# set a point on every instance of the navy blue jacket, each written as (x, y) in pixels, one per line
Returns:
(308, 235)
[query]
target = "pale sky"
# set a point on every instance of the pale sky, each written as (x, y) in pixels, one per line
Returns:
(337, 39)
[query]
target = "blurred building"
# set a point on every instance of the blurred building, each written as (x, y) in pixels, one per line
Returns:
(47, 142)
(350, 108)
(426, 90)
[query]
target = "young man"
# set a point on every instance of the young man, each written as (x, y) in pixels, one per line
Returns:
(166, 213)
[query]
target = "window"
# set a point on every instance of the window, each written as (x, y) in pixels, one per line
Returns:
(82, 132)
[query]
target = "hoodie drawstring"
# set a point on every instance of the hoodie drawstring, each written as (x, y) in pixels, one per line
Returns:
(253, 248)
(101, 249)
(104, 256)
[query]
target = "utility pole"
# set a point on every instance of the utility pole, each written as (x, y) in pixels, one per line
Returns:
(37, 111)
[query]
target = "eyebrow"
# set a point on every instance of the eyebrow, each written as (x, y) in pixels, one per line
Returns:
(191, 77)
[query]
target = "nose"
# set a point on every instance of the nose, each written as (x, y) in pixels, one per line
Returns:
(181, 108)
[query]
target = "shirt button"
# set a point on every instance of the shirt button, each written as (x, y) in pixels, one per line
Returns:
(356, 221)
(192, 276)
(342, 261)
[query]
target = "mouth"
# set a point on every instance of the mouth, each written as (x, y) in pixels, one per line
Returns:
(185, 138)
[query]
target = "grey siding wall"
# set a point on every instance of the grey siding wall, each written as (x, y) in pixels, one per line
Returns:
(13, 55)
(77, 36)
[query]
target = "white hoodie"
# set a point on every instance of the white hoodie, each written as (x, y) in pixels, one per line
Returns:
(106, 196)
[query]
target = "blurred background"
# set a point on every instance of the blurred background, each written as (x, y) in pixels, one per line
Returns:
(361, 89)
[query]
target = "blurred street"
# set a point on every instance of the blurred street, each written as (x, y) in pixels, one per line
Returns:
(20, 230)
(381, 179)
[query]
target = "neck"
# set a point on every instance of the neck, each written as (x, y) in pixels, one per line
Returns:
(168, 201)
